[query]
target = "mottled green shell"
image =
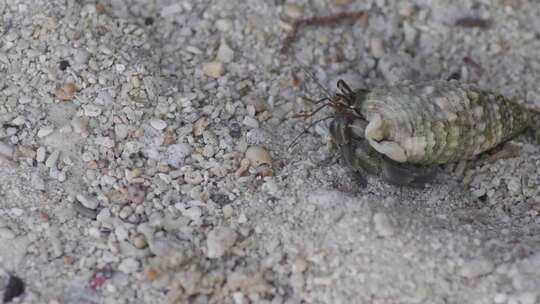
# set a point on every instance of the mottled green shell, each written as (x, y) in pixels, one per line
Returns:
(443, 121)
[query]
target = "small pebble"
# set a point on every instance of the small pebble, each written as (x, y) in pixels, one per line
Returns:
(80, 125)
(160, 247)
(224, 25)
(158, 124)
(225, 54)
(406, 9)
(200, 125)
(239, 298)
(139, 241)
(293, 11)
(25, 99)
(125, 212)
(100, 8)
(52, 159)
(81, 57)
(120, 68)
(6, 233)
(383, 225)
(235, 130)
(228, 211)
(500, 298)
(177, 153)
(41, 153)
(169, 138)
(17, 212)
(250, 122)
(242, 219)
(171, 10)
(121, 233)
(376, 47)
(128, 265)
(135, 193)
(82, 210)
(513, 184)
(219, 241)
(259, 104)
(66, 92)
(87, 202)
(18, 121)
(213, 69)
(121, 131)
(193, 178)
(479, 192)
(396, 68)
(193, 50)
(25, 152)
(6, 150)
(151, 274)
(257, 156)
(208, 151)
(475, 268)
(94, 232)
(45, 131)
(37, 182)
(105, 217)
(92, 110)
(194, 213)
(299, 265)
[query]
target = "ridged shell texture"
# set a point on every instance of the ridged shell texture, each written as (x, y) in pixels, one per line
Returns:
(439, 122)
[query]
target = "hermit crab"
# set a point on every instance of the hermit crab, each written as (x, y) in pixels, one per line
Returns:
(403, 132)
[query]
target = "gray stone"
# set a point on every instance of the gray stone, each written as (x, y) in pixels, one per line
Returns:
(219, 241)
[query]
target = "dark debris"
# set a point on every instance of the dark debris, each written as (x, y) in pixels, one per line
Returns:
(474, 22)
(14, 288)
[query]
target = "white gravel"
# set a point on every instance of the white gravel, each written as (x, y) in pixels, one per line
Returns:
(219, 241)
(476, 267)
(143, 155)
(383, 225)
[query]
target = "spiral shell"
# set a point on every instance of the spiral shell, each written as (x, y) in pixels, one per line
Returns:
(438, 122)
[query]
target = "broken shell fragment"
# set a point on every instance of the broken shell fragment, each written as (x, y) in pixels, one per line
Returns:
(66, 92)
(258, 155)
(200, 125)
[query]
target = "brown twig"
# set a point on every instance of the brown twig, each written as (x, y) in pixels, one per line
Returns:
(474, 22)
(317, 20)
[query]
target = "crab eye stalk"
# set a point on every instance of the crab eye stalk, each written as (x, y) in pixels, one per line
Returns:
(351, 98)
(345, 92)
(344, 88)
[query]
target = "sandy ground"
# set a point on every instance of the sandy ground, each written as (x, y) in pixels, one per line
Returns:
(144, 155)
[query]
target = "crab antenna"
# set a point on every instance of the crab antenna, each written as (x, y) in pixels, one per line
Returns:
(315, 101)
(295, 140)
(306, 115)
(317, 82)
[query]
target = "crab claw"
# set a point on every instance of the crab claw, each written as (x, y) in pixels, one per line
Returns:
(391, 149)
(376, 132)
